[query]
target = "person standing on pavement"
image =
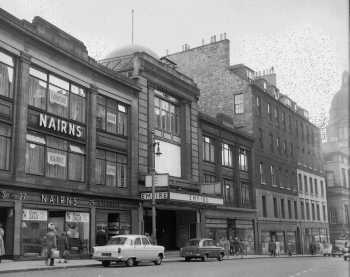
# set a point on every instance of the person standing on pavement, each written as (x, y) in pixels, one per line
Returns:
(51, 242)
(2, 244)
(63, 247)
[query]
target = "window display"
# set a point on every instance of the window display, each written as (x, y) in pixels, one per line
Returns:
(77, 228)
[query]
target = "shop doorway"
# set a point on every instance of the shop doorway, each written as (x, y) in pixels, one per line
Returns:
(58, 219)
(7, 223)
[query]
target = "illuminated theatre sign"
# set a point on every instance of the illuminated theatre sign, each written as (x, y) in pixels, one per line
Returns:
(60, 125)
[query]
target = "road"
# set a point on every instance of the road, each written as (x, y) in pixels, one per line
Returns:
(270, 267)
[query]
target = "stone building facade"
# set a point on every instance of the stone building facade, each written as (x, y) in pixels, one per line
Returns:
(286, 143)
(68, 141)
(337, 157)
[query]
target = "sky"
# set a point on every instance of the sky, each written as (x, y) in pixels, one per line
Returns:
(306, 41)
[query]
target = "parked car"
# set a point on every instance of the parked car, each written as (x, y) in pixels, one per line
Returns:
(202, 249)
(130, 249)
(336, 251)
(326, 249)
(346, 254)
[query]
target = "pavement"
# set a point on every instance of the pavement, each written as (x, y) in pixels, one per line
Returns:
(11, 266)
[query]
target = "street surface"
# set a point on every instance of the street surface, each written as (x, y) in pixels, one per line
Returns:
(268, 267)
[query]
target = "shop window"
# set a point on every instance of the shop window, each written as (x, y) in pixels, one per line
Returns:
(112, 116)
(56, 158)
(226, 155)
(208, 149)
(167, 114)
(238, 103)
(245, 195)
(56, 95)
(6, 75)
(243, 159)
(5, 146)
(78, 232)
(111, 169)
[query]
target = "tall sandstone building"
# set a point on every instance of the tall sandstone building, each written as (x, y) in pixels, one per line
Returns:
(337, 158)
(286, 147)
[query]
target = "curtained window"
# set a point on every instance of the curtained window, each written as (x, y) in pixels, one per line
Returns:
(57, 96)
(112, 116)
(5, 146)
(111, 169)
(6, 75)
(55, 158)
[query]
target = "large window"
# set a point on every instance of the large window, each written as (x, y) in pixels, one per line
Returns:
(208, 149)
(6, 75)
(333, 219)
(5, 146)
(275, 207)
(324, 211)
(264, 210)
(226, 154)
(282, 209)
(111, 169)
(289, 203)
(112, 116)
(245, 194)
(273, 176)
(307, 206)
(167, 115)
(295, 210)
(316, 186)
(346, 213)
(243, 159)
(262, 173)
(311, 185)
(269, 112)
(302, 208)
(56, 95)
(228, 190)
(239, 104)
(305, 184)
(313, 211)
(56, 158)
(318, 212)
(300, 181)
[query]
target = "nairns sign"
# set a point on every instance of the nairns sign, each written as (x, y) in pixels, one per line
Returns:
(60, 125)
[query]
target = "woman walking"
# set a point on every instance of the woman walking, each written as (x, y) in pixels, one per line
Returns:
(51, 243)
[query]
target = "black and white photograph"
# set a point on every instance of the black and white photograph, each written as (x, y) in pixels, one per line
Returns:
(174, 138)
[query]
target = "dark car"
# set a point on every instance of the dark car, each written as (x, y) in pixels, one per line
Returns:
(202, 249)
(337, 251)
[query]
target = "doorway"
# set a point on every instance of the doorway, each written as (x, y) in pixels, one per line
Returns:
(7, 222)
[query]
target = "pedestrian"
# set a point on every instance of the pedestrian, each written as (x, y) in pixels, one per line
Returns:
(101, 236)
(51, 243)
(272, 247)
(63, 247)
(2, 244)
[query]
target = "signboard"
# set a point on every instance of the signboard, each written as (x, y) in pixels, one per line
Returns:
(58, 98)
(194, 198)
(111, 170)
(77, 217)
(160, 180)
(158, 195)
(34, 215)
(60, 125)
(56, 159)
(111, 118)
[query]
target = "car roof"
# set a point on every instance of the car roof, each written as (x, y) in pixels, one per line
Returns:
(129, 236)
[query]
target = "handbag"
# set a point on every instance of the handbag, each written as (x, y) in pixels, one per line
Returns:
(55, 253)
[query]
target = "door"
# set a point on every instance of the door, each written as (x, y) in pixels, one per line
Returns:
(58, 219)
(149, 253)
(139, 251)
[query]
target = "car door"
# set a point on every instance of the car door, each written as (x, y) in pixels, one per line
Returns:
(139, 250)
(148, 249)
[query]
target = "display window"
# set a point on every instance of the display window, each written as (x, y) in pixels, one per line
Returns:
(78, 232)
(291, 241)
(265, 240)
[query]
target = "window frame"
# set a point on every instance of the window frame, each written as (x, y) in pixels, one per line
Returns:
(12, 68)
(238, 105)
(210, 156)
(226, 152)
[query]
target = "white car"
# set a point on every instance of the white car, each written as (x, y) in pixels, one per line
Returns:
(130, 249)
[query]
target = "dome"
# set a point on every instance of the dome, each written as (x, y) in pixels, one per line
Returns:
(340, 102)
(131, 49)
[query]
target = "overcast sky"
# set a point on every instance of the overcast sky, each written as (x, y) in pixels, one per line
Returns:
(305, 40)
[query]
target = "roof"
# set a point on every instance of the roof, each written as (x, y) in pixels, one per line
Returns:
(131, 49)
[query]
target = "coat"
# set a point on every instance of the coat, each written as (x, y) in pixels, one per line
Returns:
(2, 244)
(51, 240)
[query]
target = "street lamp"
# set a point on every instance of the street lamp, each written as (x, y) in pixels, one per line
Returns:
(155, 152)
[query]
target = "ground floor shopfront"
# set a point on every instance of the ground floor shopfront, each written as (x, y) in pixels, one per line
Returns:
(183, 216)
(313, 233)
(86, 220)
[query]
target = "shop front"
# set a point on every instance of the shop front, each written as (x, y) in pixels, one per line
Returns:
(84, 220)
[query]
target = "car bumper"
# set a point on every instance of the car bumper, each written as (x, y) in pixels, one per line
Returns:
(116, 259)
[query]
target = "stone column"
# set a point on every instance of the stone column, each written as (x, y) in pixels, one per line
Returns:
(17, 229)
(91, 135)
(92, 227)
(21, 115)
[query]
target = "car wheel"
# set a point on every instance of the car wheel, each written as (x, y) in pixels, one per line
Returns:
(220, 257)
(130, 262)
(159, 259)
(187, 259)
(106, 263)
(205, 258)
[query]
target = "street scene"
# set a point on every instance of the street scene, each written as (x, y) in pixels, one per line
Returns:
(171, 138)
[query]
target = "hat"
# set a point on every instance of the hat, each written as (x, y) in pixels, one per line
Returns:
(51, 226)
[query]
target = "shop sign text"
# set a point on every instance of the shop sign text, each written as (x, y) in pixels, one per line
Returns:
(60, 125)
(62, 200)
(34, 215)
(158, 195)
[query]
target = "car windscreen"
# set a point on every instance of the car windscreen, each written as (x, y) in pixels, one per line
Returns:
(117, 241)
(193, 242)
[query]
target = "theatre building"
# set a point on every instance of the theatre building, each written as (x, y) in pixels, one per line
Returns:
(68, 132)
